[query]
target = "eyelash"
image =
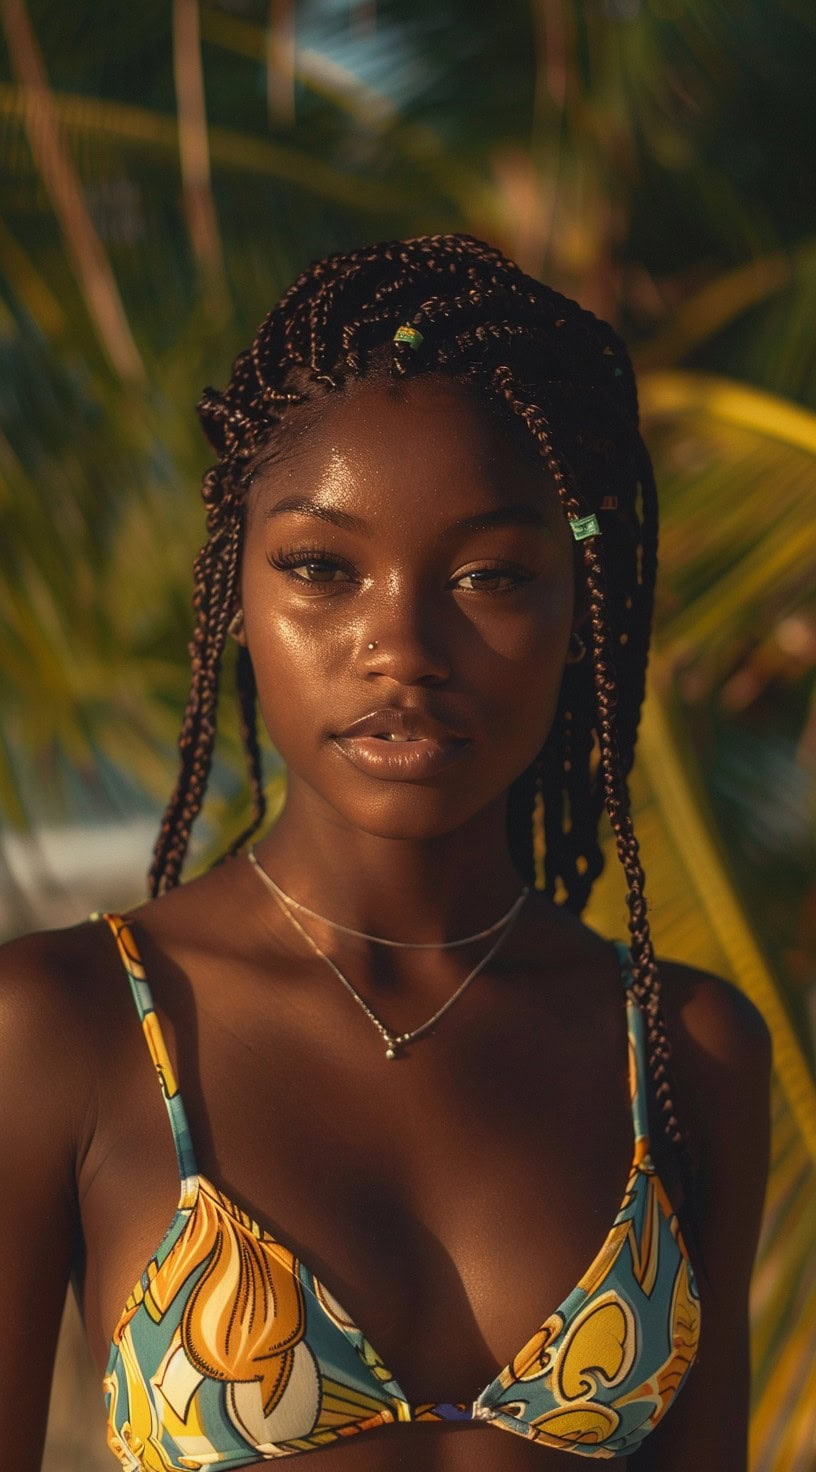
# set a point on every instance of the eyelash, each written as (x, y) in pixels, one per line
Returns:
(286, 562)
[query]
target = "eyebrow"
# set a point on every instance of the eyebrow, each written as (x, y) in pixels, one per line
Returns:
(496, 516)
(313, 508)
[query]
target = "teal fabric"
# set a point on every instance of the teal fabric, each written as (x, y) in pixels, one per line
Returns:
(230, 1351)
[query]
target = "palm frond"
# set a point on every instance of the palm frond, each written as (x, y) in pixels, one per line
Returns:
(736, 467)
(194, 148)
(62, 184)
(729, 402)
(737, 543)
(702, 315)
(697, 916)
(140, 127)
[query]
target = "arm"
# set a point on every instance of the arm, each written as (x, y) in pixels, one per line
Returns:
(45, 1108)
(722, 1066)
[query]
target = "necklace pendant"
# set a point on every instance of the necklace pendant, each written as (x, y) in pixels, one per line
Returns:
(395, 1043)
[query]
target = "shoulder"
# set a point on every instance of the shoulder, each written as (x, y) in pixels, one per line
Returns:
(718, 1035)
(52, 968)
(52, 1029)
(43, 976)
(49, 1029)
(720, 1067)
(721, 1063)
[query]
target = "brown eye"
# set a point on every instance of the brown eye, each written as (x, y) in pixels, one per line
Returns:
(493, 579)
(312, 567)
(316, 572)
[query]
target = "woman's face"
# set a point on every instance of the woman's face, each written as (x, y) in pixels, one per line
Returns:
(406, 516)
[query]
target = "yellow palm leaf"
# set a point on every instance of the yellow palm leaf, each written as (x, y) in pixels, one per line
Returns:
(697, 917)
(737, 551)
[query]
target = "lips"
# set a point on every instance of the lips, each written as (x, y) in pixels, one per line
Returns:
(400, 745)
(392, 723)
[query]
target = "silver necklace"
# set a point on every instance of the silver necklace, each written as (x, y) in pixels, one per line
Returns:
(395, 1042)
(405, 945)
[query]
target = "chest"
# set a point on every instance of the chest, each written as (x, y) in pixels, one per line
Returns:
(449, 1200)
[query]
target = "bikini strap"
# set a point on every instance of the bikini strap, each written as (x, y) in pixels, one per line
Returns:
(638, 1059)
(132, 962)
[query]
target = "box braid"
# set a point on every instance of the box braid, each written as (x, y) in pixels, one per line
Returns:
(564, 383)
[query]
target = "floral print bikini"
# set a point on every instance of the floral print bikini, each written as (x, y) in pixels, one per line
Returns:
(229, 1351)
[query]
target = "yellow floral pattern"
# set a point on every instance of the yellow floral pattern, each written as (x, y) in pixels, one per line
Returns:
(229, 1351)
(602, 1370)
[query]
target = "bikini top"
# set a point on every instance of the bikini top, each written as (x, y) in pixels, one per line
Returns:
(229, 1351)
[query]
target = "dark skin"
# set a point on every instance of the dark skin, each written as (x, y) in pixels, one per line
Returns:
(452, 1199)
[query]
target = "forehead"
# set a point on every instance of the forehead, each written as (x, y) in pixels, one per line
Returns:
(420, 444)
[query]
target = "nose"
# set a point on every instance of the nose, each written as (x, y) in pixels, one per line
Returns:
(408, 645)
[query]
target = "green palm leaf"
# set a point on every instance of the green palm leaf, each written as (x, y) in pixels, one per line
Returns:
(697, 916)
(143, 129)
(737, 552)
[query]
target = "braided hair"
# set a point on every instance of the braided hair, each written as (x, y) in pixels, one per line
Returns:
(565, 378)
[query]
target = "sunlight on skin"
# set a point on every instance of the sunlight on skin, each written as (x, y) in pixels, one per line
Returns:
(406, 464)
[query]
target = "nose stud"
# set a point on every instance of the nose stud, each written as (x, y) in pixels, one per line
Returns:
(373, 644)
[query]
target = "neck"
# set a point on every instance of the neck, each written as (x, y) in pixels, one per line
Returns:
(418, 890)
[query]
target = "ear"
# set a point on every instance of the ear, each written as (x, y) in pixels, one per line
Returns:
(579, 634)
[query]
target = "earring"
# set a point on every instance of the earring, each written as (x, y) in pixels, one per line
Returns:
(236, 623)
(577, 647)
(538, 830)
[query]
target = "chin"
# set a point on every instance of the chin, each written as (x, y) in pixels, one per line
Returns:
(411, 813)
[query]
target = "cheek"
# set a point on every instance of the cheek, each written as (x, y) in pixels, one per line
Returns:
(290, 643)
(518, 663)
(286, 637)
(291, 663)
(527, 640)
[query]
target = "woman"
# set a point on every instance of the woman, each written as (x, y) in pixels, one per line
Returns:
(401, 1074)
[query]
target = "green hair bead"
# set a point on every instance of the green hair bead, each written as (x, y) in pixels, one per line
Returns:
(585, 526)
(411, 336)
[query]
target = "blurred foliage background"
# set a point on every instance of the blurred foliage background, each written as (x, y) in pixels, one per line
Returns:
(165, 170)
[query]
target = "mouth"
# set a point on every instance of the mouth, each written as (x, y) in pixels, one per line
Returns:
(396, 744)
(401, 744)
(397, 724)
(395, 758)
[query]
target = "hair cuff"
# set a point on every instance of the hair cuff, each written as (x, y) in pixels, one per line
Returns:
(411, 336)
(585, 526)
